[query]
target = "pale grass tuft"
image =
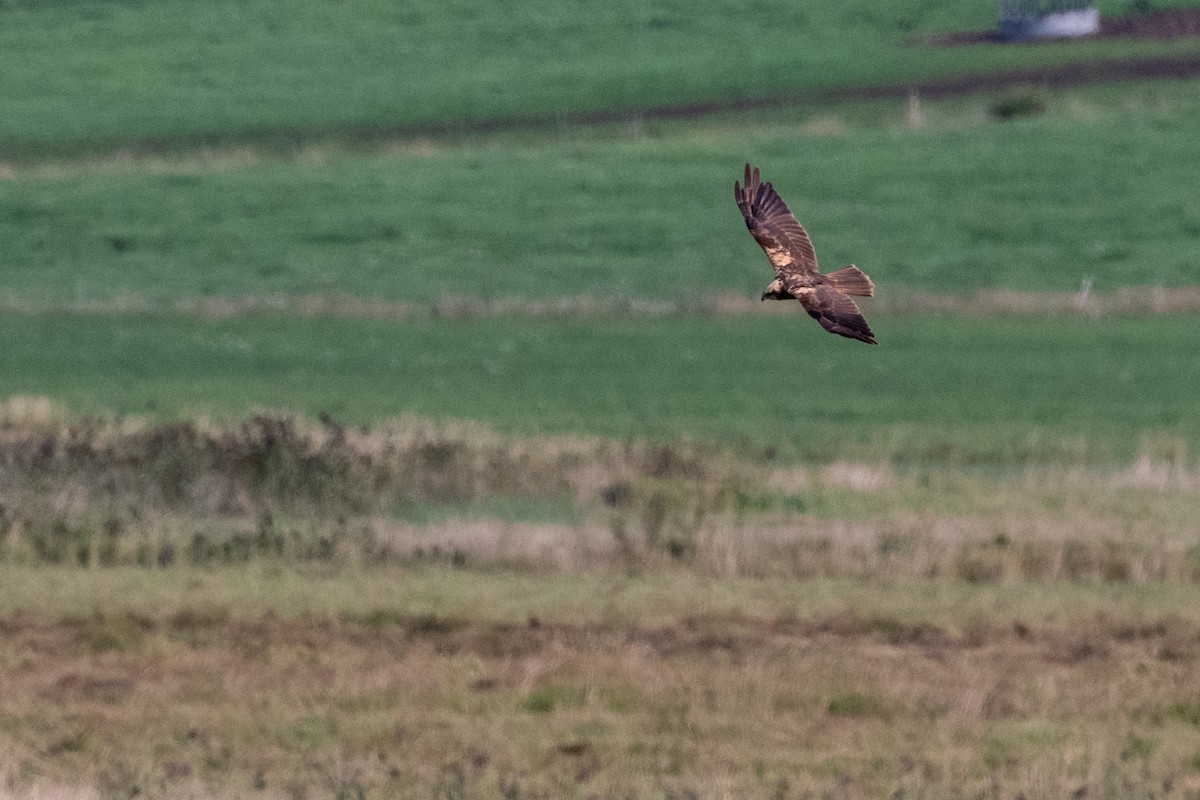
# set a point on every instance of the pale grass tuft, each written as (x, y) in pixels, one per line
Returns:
(858, 477)
(1126, 301)
(39, 791)
(422, 147)
(201, 160)
(825, 125)
(28, 410)
(790, 478)
(1162, 463)
(550, 546)
(1149, 473)
(914, 117)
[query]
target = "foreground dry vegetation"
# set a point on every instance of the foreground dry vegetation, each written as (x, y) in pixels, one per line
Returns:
(282, 607)
(455, 685)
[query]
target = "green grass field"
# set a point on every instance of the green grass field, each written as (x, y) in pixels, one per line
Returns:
(372, 427)
(95, 75)
(962, 204)
(1006, 392)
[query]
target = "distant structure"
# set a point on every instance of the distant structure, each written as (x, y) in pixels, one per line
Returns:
(1048, 19)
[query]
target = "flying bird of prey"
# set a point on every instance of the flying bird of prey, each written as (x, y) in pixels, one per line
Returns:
(784, 240)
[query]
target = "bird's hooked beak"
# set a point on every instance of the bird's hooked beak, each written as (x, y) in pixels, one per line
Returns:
(764, 296)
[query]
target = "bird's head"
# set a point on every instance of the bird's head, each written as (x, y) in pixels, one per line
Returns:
(775, 291)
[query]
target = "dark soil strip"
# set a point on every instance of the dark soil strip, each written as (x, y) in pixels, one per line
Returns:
(1169, 638)
(1063, 75)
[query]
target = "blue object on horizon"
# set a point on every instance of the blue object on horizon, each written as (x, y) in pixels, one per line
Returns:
(1052, 19)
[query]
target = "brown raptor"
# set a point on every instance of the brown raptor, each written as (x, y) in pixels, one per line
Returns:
(826, 298)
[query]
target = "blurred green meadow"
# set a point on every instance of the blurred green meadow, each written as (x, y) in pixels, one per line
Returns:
(97, 75)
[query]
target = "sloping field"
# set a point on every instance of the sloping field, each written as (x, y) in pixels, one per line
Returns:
(97, 75)
(1099, 187)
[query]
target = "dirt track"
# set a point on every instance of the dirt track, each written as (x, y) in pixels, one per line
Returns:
(1063, 75)
(1157, 68)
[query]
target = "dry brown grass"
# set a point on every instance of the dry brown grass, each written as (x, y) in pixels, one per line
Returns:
(293, 608)
(278, 489)
(205, 700)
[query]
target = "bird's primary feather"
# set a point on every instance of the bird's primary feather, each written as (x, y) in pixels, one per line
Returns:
(773, 226)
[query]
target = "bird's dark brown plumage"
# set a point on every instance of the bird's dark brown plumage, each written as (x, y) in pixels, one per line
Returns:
(786, 243)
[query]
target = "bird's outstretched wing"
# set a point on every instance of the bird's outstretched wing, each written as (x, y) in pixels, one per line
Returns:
(836, 312)
(777, 231)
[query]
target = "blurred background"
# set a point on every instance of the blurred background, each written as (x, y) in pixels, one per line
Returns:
(387, 408)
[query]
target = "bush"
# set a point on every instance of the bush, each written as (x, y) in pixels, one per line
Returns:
(1024, 101)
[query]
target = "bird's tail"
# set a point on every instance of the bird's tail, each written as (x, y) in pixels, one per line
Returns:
(852, 280)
